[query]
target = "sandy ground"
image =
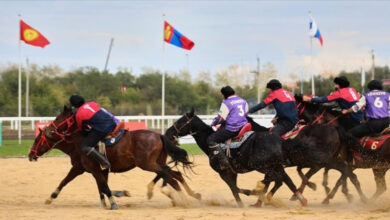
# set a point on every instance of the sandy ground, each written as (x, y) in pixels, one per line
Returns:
(24, 186)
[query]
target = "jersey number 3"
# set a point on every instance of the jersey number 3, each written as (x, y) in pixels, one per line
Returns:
(242, 112)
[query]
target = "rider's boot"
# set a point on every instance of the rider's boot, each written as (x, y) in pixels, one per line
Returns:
(94, 154)
(217, 154)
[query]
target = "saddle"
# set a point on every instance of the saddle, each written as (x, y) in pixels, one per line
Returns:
(236, 141)
(116, 132)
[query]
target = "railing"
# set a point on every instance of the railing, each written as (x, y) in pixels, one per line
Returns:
(152, 121)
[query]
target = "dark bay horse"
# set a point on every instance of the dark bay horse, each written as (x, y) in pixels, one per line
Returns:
(315, 147)
(378, 160)
(145, 149)
(262, 152)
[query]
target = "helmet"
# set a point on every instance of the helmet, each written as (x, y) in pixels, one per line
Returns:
(342, 81)
(274, 84)
(374, 84)
(76, 101)
(227, 91)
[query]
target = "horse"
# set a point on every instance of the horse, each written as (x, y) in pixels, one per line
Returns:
(378, 160)
(142, 148)
(322, 144)
(262, 152)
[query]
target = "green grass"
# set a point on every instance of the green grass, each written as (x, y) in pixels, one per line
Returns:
(11, 148)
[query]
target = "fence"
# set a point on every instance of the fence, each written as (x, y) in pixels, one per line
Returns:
(152, 122)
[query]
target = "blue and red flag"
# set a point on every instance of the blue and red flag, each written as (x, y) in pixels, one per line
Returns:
(172, 36)
(314, 31)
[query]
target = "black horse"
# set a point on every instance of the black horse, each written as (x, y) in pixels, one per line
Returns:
(262, 152)
(378, 160)
(316, 147)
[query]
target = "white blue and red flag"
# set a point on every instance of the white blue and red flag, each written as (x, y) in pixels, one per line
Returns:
(314, 31)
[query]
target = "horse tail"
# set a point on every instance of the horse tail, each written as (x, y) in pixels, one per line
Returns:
(177, 154)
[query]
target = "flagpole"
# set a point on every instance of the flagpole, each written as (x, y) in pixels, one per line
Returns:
(20, 88)
(27, 85)
(311, 65)
(163, 80)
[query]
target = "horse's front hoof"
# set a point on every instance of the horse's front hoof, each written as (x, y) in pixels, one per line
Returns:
(114, 206)
(240, 204)
(198, 196)
(326, 201)
(258, 204)
(303, 202)
(126, 193)
(349, 198)
(48, 201)
(294, 198)
(312, 186)
(150, 195)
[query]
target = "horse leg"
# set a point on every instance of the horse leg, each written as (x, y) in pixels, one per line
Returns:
(356, 183)
(331, 194)
(73, 173)
(231, 179)
(380, 181)
(310, 184)
(261, 189)
(305, 180)
(325, 181)
(178, 176)
(291, 185)
(151, 185)
(101, 182)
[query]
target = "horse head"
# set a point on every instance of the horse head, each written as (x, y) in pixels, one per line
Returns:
(182, 127)
(59, 130)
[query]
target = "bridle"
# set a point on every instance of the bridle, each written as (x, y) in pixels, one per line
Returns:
(188, 122)
(70, 121)
(301, 109)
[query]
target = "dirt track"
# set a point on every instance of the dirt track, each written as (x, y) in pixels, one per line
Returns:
(24, 186)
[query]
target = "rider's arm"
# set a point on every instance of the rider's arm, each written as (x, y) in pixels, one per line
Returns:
(329, 98)
(222, 114)
(359, 105)
(270, 98)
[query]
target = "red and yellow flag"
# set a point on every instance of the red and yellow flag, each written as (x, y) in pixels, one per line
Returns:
(31, 36)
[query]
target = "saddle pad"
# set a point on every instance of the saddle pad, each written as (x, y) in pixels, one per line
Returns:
(373, 143)
(237, 144)
(294, 132)
(111, 141)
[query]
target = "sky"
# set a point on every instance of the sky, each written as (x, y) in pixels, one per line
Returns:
(225, 33)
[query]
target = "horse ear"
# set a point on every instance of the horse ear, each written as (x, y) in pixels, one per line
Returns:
(191, 114)
(65, 108)
(40, 129)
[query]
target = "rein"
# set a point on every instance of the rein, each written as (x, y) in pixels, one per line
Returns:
(70, 121)
(41, 142)
(185, 124)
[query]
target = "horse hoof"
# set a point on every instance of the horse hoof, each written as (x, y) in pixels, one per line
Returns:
(126, 193)
(198, 196)
(150, 195)
(326, 201)
(312, 186)
(294, 198)
(304, 202)
(349, 198)
(114, 206)
(240, 204)
(48, 201)
(364, 200)
(258, 204)
(327, 190)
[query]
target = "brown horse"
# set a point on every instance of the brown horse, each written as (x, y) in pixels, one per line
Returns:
(143, 148)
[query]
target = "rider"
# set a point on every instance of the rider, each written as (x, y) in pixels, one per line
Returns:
(233, 114)
(284, 104)
(98, 122)
(346, 97)
(376, 103)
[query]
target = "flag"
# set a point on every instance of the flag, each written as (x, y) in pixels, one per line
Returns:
(31, 36)
(314, 31)
(172, 36)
